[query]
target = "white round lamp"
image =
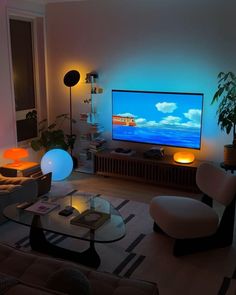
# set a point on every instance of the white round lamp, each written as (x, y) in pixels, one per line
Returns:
(57, 161)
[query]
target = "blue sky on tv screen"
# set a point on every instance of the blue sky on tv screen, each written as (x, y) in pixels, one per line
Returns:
(161, 118)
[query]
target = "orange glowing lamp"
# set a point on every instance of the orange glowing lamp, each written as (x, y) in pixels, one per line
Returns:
(15, 154)
(184, 157)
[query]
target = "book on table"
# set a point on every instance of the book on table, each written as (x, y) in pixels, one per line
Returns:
(90, 218)
(42, 207)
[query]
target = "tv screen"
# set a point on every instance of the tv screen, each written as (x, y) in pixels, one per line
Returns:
(162, 118)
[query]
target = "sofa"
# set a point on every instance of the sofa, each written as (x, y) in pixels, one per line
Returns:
(16, 190)
(32, 274)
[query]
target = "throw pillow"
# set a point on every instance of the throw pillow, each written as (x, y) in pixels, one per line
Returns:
(15, 180)
(6, 282)
(70, 281)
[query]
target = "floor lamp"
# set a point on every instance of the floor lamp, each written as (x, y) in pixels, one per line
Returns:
(71, 78)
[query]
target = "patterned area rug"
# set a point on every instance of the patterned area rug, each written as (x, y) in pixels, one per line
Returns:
(145, 255)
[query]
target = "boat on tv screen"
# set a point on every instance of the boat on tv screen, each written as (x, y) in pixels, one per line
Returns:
(161, 118)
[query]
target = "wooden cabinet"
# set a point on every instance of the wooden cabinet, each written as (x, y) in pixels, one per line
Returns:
(163, 172)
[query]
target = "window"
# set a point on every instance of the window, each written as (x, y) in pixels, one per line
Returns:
(22, 62)
(21, 35)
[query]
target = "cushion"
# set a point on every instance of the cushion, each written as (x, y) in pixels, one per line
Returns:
(6, 282)
(70, 281)
(183, 218)
(15, 180)
(7, 188)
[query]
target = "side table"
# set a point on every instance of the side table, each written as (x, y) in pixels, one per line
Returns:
(23, 169)
(232, 168)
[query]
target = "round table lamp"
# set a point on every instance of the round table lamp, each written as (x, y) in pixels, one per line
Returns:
(15, 154)
(184, 157)
(57, 161)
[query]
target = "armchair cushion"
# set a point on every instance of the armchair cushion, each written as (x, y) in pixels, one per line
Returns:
(182, 217)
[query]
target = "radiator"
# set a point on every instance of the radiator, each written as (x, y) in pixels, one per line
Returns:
(164, 172)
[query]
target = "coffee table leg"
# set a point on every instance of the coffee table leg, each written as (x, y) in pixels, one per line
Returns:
(39, 243)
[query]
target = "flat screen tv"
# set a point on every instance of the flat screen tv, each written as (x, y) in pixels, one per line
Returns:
(161, 118)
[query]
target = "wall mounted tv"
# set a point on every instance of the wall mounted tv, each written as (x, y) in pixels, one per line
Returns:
(161, 118)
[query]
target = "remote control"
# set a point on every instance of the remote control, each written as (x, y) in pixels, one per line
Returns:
(67, 211)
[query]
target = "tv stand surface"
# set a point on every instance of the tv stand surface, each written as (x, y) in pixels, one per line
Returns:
(164, 172)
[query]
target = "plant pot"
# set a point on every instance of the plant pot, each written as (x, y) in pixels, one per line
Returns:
(230, 155)
(75, 162)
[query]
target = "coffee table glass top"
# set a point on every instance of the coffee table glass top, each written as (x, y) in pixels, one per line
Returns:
(112, 230)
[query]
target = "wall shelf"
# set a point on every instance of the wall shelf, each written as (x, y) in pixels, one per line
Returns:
(90, 129)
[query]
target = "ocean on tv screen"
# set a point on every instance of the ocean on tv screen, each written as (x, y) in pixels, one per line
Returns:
(179, 137)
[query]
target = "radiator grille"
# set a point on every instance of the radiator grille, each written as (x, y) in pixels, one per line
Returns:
(163, 172)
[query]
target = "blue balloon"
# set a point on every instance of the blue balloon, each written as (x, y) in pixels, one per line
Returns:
(57, 161)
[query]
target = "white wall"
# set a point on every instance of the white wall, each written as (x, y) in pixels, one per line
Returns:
(143, 45)
(7, 107)
(133, 44)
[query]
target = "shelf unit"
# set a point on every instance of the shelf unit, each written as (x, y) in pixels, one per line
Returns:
(90, 129)
(163, 172)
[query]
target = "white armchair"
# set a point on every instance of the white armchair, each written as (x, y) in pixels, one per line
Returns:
(195, 225)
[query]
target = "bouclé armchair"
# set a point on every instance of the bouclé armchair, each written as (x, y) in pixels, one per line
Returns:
(196, 225)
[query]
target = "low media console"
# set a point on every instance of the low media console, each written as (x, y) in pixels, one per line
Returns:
(163, 172)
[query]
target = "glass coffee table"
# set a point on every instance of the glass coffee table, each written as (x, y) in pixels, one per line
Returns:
(112, 230)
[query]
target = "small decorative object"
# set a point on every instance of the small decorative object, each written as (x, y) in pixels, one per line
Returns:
(91, 77)
(87, 100)
(83, 117)
(226, 95)
(98, 90)
(184, 157)
(59, 162)
(15, 154)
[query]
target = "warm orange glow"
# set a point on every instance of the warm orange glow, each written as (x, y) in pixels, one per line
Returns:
(184, 157)
(15, 154)
(80, 204)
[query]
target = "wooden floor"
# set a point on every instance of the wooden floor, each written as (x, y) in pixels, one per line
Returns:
(120, 188)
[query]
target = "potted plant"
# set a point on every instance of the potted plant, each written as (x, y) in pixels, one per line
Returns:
(226, 96)
(53, 136)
